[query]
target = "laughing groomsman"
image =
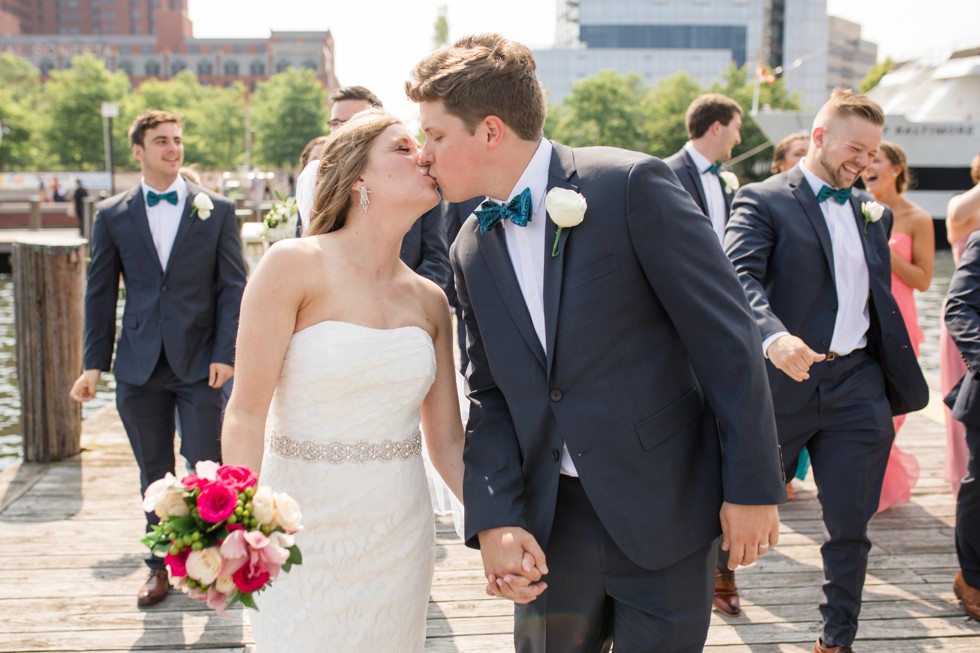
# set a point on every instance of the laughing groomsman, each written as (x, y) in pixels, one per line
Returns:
(177, 248)
(813, 258)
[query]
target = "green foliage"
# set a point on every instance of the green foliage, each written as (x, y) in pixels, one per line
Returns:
(601, 110)
(20, 94)
(440, 31)
(287, 111)
(663, 108)
(72, 120)
(874, 75)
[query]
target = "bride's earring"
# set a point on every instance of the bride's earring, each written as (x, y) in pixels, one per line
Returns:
(364, 199)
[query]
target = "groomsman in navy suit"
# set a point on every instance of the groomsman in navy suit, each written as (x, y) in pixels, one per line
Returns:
(813, 258)
(177, 248)
(963, 322)
(713, 124)
(620, 418)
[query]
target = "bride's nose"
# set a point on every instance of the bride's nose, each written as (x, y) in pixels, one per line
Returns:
(424, 157)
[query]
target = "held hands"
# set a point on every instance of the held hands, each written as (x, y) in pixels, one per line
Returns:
(791, 355)
(748, 532)
(219, 373)
(84, 387)
(513, 563)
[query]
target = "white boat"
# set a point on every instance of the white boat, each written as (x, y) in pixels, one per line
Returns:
(932, 111)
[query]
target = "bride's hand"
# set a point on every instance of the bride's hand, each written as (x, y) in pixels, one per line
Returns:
(514, 564)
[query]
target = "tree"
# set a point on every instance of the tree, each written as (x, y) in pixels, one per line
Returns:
(287, 110)
(72, 119)
(663, 109)
(602, 110)
(440, 35)
(220, 123)
(20, 85)
(874, 75)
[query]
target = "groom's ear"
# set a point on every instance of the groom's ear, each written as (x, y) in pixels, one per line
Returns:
(493, 127)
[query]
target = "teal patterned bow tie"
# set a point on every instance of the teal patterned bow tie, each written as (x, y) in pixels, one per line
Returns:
(841, 195)
(714, 168)
(152, 198)
(518, 211)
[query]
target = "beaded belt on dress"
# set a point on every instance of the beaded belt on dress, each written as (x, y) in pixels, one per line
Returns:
(339, 453)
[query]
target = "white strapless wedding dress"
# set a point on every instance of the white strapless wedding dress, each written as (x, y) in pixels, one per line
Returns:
(343, 440)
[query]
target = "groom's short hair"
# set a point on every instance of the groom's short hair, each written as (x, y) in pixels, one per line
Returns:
(708, 109)
(483, 75)
(148, 120)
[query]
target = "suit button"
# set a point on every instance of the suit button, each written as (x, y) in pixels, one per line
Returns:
(833, 307)
(825, 342)
(555, 395)
(555, 455)
(163, 289)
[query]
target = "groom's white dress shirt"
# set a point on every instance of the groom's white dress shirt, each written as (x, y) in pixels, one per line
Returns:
(526, 248)
(714, 194)
(164, 218)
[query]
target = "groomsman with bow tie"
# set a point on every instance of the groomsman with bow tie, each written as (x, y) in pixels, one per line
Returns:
(813, 258)
(177, 248)
(713, 124)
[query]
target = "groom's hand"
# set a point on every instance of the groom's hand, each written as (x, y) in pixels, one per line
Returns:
(791, 355)
(514, 564)
(748, 532)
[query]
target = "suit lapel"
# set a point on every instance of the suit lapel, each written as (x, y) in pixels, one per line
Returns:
(186, 223)
(493, 247)
(870, 255)
(694, 177)
(562, 169)
(136, 208)
(806, 198)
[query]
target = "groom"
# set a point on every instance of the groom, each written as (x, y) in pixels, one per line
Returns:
(610, 363)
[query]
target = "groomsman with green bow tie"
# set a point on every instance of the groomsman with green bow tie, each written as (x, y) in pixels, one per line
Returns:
(177, 248)
(813, 258)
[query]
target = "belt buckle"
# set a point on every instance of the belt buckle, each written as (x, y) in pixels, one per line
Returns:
(833, 356)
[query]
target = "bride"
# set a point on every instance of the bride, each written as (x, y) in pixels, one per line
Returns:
(341, 348)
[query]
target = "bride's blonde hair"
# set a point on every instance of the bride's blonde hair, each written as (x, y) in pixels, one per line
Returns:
(344, 157)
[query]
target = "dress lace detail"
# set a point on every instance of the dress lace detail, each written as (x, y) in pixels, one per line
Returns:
(339, 453)
(369, 535)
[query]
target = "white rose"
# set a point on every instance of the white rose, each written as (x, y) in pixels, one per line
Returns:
(224, 584)
(872, 211)
(207, 469)
(264, 505)
(204, 565)
(204, 205)
(566, 208)
(288, 515)
(730, 180)
(172, 504)
(157, 490)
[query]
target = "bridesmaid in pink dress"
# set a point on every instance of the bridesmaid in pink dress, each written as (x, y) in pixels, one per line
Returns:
(913, 254)
(962, 218)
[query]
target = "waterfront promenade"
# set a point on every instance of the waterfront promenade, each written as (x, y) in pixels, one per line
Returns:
(70, 564)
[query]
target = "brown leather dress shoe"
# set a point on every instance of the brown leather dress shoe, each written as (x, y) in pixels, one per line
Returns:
(970, 596)
(818, 647)
(154, 589)
(726, 593)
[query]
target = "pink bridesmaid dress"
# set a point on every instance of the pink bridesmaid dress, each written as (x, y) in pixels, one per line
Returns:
(951, 370)
(902, 472)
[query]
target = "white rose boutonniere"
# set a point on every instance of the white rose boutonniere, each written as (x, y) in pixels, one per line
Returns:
(730, 181)
(566, 208)
(202, 206)
(872, 212)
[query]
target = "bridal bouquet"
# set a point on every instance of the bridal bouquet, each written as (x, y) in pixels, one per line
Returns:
(280, 220)
(223, 536)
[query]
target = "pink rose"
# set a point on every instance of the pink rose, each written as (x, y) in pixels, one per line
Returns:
(251, 577)
(237, 477)
(177, 563)
(217, 601)
(192, 481)
(217, 503)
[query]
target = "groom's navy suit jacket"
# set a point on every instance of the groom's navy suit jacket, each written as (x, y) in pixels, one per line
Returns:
(690, 177)
(190, 310)
(653, 365)
(779, 242)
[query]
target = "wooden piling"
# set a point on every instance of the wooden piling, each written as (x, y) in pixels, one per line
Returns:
(49, 289)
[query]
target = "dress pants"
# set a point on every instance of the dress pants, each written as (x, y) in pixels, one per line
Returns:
(847, 428)
(147, 414)
(968, 514)
(597, 596)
